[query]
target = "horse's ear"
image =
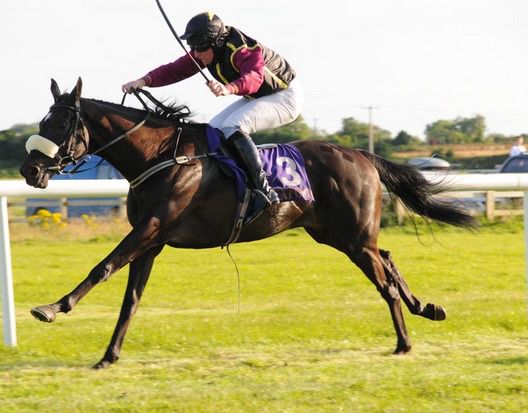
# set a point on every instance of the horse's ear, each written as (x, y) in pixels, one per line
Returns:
(55, 91)
(76, 92)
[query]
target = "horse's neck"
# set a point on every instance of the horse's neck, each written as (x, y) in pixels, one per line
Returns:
(135, 153)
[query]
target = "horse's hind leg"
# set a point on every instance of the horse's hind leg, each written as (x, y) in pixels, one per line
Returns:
(368, 259)
(370, 262)
(430, 311)
(138, 275)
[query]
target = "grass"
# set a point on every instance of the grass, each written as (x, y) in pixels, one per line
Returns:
(312, 335)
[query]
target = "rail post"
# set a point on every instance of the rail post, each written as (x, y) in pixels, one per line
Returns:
(525, 221)
(6, 278)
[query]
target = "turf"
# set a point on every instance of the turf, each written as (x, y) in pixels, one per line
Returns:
(312, 334)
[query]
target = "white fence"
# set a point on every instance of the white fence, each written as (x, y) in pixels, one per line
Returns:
(115, 188)
(98, 188)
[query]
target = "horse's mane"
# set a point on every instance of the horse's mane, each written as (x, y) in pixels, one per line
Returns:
(172, 111)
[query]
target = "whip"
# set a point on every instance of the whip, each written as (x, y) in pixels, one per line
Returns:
(180, 42)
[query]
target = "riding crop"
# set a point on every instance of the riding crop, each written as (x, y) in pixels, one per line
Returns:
(180, 42)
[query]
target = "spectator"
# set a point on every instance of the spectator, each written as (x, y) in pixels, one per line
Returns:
(518, 148)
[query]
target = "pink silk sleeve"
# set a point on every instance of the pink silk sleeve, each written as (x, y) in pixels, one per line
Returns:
(250, 64)
(170, 73)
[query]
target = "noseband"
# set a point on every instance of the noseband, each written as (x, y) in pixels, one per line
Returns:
(50, 149)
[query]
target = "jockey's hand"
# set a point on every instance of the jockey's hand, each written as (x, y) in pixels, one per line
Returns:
(218, 89)
(132, 86)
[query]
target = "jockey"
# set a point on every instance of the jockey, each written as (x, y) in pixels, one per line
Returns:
(240, 66)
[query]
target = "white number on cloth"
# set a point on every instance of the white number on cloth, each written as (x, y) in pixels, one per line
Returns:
(291, 176)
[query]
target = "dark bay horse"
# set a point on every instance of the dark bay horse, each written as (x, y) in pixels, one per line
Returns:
(193, 205)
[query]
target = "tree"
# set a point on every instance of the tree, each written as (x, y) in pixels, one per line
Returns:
(356, 134)
(13, 144)
(403, 138)
(296, 130)
(473, 128)
(459, 130)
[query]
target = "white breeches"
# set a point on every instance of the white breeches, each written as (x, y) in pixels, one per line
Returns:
(266, 112)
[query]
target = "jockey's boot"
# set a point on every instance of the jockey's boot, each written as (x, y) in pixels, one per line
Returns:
(248, 154)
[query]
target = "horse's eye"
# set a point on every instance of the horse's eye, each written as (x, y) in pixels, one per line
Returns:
(63, 123)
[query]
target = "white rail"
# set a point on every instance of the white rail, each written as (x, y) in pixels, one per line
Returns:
(97, 188)
(101, 188)
(75, 188)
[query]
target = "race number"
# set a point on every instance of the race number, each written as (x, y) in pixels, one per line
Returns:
(290, 176)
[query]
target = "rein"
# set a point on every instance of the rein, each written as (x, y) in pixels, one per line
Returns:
(132, 129)
(83, 159)
(181, 160)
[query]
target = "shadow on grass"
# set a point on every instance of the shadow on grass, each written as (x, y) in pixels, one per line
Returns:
(510, 361)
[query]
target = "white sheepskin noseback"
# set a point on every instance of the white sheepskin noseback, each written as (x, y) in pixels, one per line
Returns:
(41, 144)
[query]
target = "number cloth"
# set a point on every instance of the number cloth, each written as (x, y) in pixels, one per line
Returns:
(283, 164)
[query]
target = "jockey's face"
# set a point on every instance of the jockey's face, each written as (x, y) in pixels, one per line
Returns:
(206, 57)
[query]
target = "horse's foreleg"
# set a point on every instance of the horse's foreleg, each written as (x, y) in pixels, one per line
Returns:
(138, 276)
(430, 311)
(371, 264)
(137, 242)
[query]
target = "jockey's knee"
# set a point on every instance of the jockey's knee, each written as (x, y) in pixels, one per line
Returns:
(228, 131)
(235, 124)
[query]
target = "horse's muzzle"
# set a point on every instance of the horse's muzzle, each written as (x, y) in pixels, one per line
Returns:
(35, 170)
(35, 176)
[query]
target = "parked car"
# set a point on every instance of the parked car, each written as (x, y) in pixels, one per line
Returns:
(515, 164)
(429, 164)
(94, 168)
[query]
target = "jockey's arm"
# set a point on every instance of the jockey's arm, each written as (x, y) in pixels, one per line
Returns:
(250, 64)
(170, 73)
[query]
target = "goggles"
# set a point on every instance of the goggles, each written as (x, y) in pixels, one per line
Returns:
(200, 47)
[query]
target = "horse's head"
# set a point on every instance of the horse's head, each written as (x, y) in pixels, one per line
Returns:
(62, 138)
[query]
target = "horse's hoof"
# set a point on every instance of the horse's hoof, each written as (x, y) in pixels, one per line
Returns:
(435, 312)
(401, 350)
(44, 313)
(440, 313)
(103, 364)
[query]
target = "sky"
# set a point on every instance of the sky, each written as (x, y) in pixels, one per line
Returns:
(413, 61)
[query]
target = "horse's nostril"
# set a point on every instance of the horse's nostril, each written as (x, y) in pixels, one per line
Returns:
(31, 171)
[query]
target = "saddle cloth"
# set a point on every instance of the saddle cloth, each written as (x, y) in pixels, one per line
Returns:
(283, 165)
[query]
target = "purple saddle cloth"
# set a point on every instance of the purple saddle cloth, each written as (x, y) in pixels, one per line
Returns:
(283, 165)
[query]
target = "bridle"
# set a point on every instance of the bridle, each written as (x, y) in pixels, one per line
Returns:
(63, 161)
(70, 143)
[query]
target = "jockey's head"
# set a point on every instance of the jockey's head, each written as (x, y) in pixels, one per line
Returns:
(203, 31)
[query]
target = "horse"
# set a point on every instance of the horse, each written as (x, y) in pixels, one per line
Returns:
(193, 204)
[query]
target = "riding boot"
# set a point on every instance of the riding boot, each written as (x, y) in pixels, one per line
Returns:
(248, 154)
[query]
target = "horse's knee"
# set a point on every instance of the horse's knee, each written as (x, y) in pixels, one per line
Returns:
(389, 292)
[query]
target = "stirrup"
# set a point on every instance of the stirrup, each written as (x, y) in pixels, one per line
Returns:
(260, 203)
(273, 197)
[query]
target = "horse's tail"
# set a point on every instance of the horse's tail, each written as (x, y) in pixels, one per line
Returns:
(417, 193)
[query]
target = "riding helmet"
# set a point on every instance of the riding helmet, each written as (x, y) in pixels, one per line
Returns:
(204, 27)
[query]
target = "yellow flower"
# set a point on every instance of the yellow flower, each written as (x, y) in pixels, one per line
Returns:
(44, 213)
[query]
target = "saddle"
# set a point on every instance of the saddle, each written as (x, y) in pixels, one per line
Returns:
(283, 164)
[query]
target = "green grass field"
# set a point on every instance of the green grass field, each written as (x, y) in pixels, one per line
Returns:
(312, 335)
